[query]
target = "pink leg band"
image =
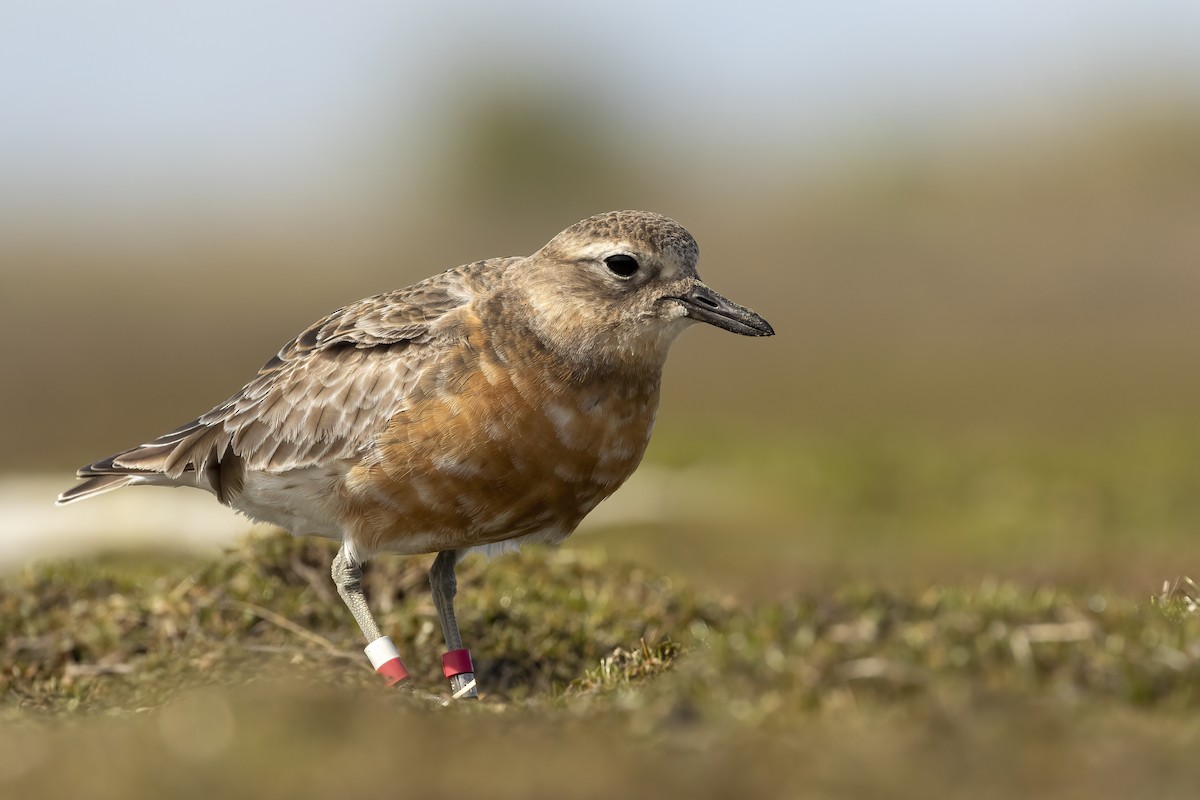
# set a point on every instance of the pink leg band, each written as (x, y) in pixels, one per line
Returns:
(457, 662)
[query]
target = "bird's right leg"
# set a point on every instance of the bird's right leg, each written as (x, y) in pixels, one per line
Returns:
(347, 575)
(456, 664)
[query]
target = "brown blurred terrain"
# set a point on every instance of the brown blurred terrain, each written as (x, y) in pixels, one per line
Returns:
(1052, 289)
(986, 353)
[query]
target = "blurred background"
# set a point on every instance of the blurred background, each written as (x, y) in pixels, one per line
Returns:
(975, 227)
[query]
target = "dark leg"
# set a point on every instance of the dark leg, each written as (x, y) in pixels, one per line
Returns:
(442, 581)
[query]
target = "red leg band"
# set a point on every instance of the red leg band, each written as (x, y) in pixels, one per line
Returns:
(456, 662)
(392, 671)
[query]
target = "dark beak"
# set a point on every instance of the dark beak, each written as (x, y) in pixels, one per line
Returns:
(705, 305)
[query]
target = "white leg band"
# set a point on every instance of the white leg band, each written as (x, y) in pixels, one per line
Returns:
(381, 651)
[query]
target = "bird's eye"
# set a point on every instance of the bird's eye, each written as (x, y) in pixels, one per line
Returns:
(622, 266)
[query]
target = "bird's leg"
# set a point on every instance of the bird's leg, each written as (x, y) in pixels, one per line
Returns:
(347, 575)
(456, 664)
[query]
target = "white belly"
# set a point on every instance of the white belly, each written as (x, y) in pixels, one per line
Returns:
(301, 501)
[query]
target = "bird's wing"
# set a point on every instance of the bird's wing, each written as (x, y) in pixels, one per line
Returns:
(323, 397)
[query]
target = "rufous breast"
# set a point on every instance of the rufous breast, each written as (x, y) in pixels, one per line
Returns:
(497, 443)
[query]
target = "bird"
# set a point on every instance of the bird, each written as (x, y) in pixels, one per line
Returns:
(491, 405)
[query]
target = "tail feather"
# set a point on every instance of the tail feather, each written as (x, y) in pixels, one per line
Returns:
(93, 486)
(161, 455)
(193, 455)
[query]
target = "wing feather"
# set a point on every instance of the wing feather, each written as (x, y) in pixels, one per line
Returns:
(325, 395)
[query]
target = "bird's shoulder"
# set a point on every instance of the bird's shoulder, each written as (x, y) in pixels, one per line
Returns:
(414, 314)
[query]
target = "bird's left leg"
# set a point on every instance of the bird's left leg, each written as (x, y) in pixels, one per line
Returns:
(456, 664)
(347, 575)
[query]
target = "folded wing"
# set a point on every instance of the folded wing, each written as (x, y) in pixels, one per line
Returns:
(322, 398)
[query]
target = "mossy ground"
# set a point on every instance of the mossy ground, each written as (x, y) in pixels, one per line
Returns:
(622, 678)
(904, 618)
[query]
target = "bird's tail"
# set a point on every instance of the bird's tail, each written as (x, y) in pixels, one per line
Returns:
(169, 460)
(94, 486)
(106, 475)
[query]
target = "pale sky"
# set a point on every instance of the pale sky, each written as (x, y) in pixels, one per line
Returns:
(125, 96)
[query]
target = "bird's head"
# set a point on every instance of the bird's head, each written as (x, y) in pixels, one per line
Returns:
(616, 289)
